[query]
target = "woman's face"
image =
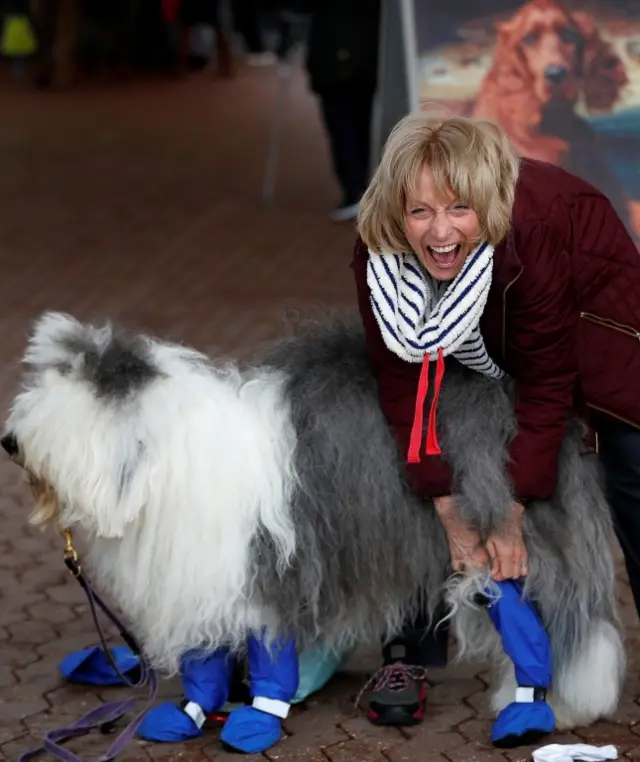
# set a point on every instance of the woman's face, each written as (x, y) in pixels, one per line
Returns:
(441, 231)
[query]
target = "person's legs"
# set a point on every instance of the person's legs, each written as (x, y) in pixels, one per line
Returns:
(364, 115)
(247, 17)
(620, 456)
(399, 692)
(346, 112)
(419, 643)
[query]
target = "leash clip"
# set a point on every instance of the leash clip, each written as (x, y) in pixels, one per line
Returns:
(70, 554)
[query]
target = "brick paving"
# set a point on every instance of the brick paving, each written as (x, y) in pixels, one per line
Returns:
(141, 202)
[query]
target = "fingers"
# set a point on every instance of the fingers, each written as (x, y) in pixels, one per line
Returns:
(506, 558)
(509, 558)
(494, 557)
(469, 558)
(510, 565)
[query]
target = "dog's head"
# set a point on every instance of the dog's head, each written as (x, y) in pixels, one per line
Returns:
(556, 54)
(78, 427)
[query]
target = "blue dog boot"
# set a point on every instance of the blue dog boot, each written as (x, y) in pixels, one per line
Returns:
(525, 641)
(273, 676)
(251, 731)
(91, 667)
(525, 721)
(206, 683)
(171, 723)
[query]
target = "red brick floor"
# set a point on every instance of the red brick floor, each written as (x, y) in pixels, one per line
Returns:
(141, 203)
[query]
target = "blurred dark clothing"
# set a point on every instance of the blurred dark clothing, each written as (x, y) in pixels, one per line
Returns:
(193, 12)
(248, 21)
(17, 7)
(342, 64)
(343, 43)
(346, 110)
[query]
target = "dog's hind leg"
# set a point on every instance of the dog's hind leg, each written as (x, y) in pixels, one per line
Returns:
(503, 685)
(588, 687)
(527, 716)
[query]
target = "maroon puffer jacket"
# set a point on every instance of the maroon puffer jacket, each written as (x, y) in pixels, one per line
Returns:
(562, 318)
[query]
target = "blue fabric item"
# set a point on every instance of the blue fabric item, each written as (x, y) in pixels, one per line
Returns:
(273, 673)
(316, 666)
(524, 639)
(273, 669)
(251, 731)
(207, 682)
(167, 723)
(526, 643)
(91, 667)
(520, 724)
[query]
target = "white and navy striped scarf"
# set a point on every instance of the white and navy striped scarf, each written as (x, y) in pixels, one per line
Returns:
(410, 323)
(418, 329)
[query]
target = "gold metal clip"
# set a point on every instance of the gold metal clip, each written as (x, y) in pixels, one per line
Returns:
(70, 553)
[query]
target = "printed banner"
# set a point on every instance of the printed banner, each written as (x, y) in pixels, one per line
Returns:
(561, 77)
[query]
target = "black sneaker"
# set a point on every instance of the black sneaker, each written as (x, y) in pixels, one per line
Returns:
(398, 696)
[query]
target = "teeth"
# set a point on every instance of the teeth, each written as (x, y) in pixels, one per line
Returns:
(444, 249)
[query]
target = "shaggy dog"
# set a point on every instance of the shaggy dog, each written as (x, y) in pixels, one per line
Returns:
(218, 500)
(546, 58)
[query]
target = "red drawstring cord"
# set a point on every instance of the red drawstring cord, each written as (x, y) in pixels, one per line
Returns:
(432, 448)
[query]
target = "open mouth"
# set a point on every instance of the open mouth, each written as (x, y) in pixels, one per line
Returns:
(445, 257)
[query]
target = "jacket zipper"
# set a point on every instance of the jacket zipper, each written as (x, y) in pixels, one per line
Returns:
(620, 328)
(613, 415)
(504, 313)
(606, 323)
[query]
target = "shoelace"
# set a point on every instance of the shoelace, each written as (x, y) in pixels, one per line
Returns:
(393, 677)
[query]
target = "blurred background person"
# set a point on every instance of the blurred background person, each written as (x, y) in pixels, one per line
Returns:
(342, 63)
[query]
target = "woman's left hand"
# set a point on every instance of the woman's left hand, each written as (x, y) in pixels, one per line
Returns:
(506, 548)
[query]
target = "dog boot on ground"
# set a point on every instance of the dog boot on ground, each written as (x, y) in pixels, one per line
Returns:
(525, 641)
(206, 682)
(273, 679)
(91, 667)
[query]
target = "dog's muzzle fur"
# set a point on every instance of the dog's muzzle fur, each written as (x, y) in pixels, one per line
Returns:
(47, 510)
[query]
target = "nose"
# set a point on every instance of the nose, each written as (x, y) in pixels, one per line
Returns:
(556, 74)
(10, 444)
(440, 227)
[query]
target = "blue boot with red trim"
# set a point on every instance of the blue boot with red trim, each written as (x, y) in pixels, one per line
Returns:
(207, 684)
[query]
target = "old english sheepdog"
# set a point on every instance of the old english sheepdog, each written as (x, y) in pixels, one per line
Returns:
(218, 501)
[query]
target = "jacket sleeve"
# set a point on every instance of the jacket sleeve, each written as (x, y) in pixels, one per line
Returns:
(541, 334)
(397, 386)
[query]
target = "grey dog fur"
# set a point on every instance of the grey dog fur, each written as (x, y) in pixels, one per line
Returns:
(365, 536)
(369, 551)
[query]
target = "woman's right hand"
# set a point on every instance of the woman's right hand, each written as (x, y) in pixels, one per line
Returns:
(465, 546)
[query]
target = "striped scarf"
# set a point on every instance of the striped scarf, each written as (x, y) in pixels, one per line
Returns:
(417, 330)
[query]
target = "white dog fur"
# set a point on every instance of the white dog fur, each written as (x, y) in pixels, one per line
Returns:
(215, 500)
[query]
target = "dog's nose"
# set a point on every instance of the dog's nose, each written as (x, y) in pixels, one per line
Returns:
(10, 444)
(556, 74)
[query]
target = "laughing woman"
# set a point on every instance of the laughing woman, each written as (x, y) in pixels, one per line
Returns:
(509, 266)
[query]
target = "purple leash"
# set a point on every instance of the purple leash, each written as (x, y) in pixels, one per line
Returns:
(106, 716)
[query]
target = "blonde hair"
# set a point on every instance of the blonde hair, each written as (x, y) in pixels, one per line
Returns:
(472, 157)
